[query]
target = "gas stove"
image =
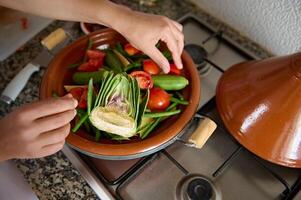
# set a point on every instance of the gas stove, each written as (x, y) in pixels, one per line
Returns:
(222, 169)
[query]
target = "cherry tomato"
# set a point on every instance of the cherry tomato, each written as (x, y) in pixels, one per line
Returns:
(82, 103)
(174, 70)
(97, 63)
(95, 54)
(159, 99)
(150, 67)
(144, 79)
(76, 92)
(130, 49)
(87, 67)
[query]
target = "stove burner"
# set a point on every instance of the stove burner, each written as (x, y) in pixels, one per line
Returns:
(198, 55)
(199, 189)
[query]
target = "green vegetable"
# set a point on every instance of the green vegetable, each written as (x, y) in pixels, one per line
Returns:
(113, 61)
(90, 96)
(146, 130)
(75, 65)
(170, 82)
(80, 122)
(117, 105)
(97, 135)
(183, 102)
(161, 114)
(167, 54)
(122, 59)
(181, 97)
(133, 65)
(82, 78)
(119, 48)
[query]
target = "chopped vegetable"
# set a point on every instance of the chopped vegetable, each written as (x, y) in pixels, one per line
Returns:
(76, 92)
(95, 54)
(161, 114)
(113, 62)
(82, 78)
(174, 70)
(151, 67)
(170, 82)
(179, 101)
(75, 65)
(82, 103)
(117, 105)
(158, 100)
(124, 61)
(130, 50)
(80, 122)
(87, 67)
(90, 96)
(144, 79)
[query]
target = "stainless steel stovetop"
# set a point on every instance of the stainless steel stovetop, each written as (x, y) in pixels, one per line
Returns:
(179, 171)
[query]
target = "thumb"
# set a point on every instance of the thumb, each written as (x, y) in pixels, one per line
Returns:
(158, 58)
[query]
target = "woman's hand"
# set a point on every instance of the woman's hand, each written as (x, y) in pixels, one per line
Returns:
(36, 130)
(145, 30)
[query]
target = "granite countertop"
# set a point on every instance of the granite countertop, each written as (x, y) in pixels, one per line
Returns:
(54, 177)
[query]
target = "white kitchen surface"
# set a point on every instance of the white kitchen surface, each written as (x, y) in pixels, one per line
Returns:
(12, 36)
(13, 186)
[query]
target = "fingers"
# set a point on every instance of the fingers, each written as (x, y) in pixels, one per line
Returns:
(177, 25)
(51, 149)
(54, 121)
(158, 57)
(178, 36)
(54, 136)
(49, 107)
(173, 47)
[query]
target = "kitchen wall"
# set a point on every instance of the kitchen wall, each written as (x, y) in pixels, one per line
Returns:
(275, 24)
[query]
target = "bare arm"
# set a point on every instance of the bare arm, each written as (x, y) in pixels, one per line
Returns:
(93, 11)
(141, 29)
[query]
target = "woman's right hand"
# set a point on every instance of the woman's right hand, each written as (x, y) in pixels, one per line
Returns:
(38, 129)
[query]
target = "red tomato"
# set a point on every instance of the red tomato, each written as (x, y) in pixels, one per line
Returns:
(159, 99)
(130, 49)
(174, 70)
(82, 103)
(97, 63)
(95, 54)
(87, 67)
(144, 79)
(150, 67)
(76, 92)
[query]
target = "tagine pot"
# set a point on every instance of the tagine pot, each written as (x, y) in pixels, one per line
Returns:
(260, 105)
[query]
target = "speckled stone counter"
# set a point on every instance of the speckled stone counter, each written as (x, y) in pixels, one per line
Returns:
(54, 177)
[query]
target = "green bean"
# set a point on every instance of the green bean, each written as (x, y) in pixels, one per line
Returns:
(80, 122)
(87, 126)
(181, 97)
(75, 65)
(90, 96)
(119, 48)
(183, 102)
(161, 114)
(173, 105)
(97, 135)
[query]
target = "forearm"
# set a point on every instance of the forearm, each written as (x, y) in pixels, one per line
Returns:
(93, 11)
